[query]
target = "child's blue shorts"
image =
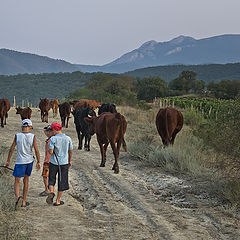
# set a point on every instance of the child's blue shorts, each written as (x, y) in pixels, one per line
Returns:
(22, 169)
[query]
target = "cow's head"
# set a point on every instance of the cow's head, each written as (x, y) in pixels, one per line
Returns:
(91, 112)
(19, 110)
(91, 122)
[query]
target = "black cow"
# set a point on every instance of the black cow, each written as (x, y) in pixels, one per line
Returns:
(82, 128)
(107, 107)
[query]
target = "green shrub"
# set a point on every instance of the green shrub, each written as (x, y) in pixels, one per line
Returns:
(193, 118)
(143, 105)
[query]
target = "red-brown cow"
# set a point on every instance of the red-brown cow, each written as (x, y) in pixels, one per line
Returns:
(169, 122)
(54, 103)
(92, 103)
(44, 106)
(24, 112)
(65, 110)
(6, 107)
(80, 105)
(109, 128)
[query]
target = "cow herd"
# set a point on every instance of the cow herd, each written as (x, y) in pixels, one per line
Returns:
(109, 126)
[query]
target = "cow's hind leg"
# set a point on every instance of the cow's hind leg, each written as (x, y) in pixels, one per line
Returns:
(5, 120)
(103, 155)
(87, 142)
(45, 117)
(42, 116)
(115, 153)
(79, 138)
(2, 125)
(63, 121)
(67, 122)
(103, 149)
(174, 135)
(124, 145)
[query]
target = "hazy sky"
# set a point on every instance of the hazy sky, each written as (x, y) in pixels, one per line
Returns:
(99, 31)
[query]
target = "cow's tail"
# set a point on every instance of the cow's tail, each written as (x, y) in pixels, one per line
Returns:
(121, 122)
(166, 127)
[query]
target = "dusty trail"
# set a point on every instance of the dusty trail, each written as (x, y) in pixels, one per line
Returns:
(137, 203)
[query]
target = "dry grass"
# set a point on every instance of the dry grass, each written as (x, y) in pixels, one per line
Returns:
(10, 226)
(189, 155)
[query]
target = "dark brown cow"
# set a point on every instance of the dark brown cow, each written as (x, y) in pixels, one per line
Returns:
(169, 122)
(54, 103)
(7, 105)
(44, 106)
(73, 102)
(65, 110)
(24, 112)
(109, 128)
(3, 111)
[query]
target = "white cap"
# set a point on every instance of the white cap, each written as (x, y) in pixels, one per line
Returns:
(26, 123)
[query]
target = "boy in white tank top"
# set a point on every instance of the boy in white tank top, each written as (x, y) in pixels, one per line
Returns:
(24, 141)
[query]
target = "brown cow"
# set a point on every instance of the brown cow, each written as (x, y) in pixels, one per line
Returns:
(65, 110)
(44, 106)
(169, 122)
(54, 103)
(3, 111)
(24, 112)
(109, 128)
(7, 106)
(92, 103)
(80, 105)
(73, 102)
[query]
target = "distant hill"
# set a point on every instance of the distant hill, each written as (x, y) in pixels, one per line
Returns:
(181, 50)
(209, 72)
(13, 62)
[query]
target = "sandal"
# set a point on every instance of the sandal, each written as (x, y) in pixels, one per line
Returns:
(27, 204)
(43, 194)
(18, 203)
(61, 203)
(50, 197)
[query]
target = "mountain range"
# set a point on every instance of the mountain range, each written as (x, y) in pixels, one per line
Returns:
(185, 50)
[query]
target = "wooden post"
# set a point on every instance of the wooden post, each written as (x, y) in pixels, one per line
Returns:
(14, 101)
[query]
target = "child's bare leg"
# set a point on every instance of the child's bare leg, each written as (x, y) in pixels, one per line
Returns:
(25, 188)
(45, 180)
(17, 187)
(59, 195)
(51, 188)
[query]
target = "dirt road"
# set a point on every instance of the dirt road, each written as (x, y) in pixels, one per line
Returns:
(138, 203)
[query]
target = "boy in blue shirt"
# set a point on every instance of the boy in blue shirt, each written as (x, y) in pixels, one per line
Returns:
(60, 148)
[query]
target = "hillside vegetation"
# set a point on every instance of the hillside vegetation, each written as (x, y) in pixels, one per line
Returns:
(207, 72)
(115, 88)
(32, 87)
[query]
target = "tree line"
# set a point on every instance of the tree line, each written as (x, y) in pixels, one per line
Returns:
(122, 89)
(115, 88)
